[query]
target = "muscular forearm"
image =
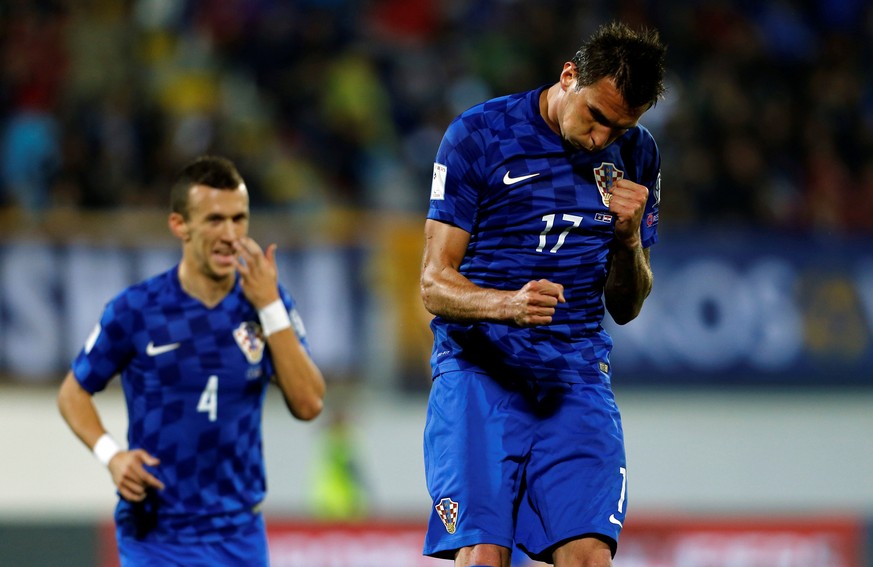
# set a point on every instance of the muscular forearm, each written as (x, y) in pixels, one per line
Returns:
(628, 282)
(454, 297)
(298, 377)
(450, 295)
(126, 467)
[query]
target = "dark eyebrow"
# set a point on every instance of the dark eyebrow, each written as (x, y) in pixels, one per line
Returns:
(218, 216)
(599, 117)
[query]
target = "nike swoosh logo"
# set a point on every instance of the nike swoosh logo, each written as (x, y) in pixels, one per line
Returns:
(153, 350)
(511, 180)
(613, 520)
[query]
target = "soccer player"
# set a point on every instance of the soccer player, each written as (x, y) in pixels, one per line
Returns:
(196, 348)
(541, 204)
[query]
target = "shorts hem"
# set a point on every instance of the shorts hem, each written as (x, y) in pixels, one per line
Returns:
(543, 552)
(447, 549)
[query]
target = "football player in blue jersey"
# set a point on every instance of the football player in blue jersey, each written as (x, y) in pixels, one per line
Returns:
(543, 207)
(196, 348)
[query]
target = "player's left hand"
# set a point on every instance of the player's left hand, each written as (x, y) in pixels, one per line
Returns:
(257, 268)
(628, 202)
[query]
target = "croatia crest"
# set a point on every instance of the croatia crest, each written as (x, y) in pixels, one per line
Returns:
(448, 512)
(605, 176)
(251, 343)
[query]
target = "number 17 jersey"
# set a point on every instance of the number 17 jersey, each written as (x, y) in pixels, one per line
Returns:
(535, 208)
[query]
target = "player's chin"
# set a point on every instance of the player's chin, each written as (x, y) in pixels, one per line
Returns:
(222, 266)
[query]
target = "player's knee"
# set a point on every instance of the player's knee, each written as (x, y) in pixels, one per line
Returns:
(591, 560)
(584, 552)
(485, 555)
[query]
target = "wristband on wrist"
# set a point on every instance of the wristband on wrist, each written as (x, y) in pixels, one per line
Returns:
(274, 318)
(105, 448)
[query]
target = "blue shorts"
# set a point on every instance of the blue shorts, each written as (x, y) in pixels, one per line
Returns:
(249, 549)
(531, 463)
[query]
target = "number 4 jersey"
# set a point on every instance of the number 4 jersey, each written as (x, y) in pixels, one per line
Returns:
(194, 380)
(535, 208)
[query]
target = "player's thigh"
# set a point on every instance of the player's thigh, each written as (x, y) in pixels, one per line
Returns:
(577, 473)
(475, 443)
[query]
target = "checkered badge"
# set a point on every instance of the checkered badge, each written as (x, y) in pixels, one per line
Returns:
(251, 342)
(605, 176)
(448, 512)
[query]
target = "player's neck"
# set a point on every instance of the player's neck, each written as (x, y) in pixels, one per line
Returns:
(205, 289)
(547, 100)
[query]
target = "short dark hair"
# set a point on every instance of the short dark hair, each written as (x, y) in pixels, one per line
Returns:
(633, 59)
(212, 171)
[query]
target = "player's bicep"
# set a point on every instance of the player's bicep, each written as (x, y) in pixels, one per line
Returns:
(444, 246)
(444, 250)
(71, 394)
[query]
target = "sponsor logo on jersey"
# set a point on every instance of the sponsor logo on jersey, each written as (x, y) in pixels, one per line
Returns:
(250, 339)
(154, 350)
(448, 513)
(509, 180)
(605, 177)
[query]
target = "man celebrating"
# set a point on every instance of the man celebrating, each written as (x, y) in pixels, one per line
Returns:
(543, 205)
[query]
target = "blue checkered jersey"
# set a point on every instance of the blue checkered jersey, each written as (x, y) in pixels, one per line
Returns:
(535, 208)
(194, 380)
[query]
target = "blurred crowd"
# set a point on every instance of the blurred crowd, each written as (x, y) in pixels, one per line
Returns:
(768, 119)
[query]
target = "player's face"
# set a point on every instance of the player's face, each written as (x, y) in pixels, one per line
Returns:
(217, 218)
(594, 116)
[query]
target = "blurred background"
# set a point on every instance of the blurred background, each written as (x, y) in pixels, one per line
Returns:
(746, 385)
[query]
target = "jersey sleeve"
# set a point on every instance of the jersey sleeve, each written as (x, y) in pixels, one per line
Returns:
(651, 178)
(107, 350)
(457, 176)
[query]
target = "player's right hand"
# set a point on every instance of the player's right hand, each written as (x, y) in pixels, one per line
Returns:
(534, 304)
(130, 475)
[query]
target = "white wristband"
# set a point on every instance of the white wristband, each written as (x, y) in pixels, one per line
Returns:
(105, 448)
(274, 318)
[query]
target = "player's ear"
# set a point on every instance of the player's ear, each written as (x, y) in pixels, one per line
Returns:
(568, 75)
(179, 227)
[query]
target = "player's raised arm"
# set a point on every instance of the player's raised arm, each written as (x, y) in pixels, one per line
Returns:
(298, 377)
(447, 293)
(629, 279)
